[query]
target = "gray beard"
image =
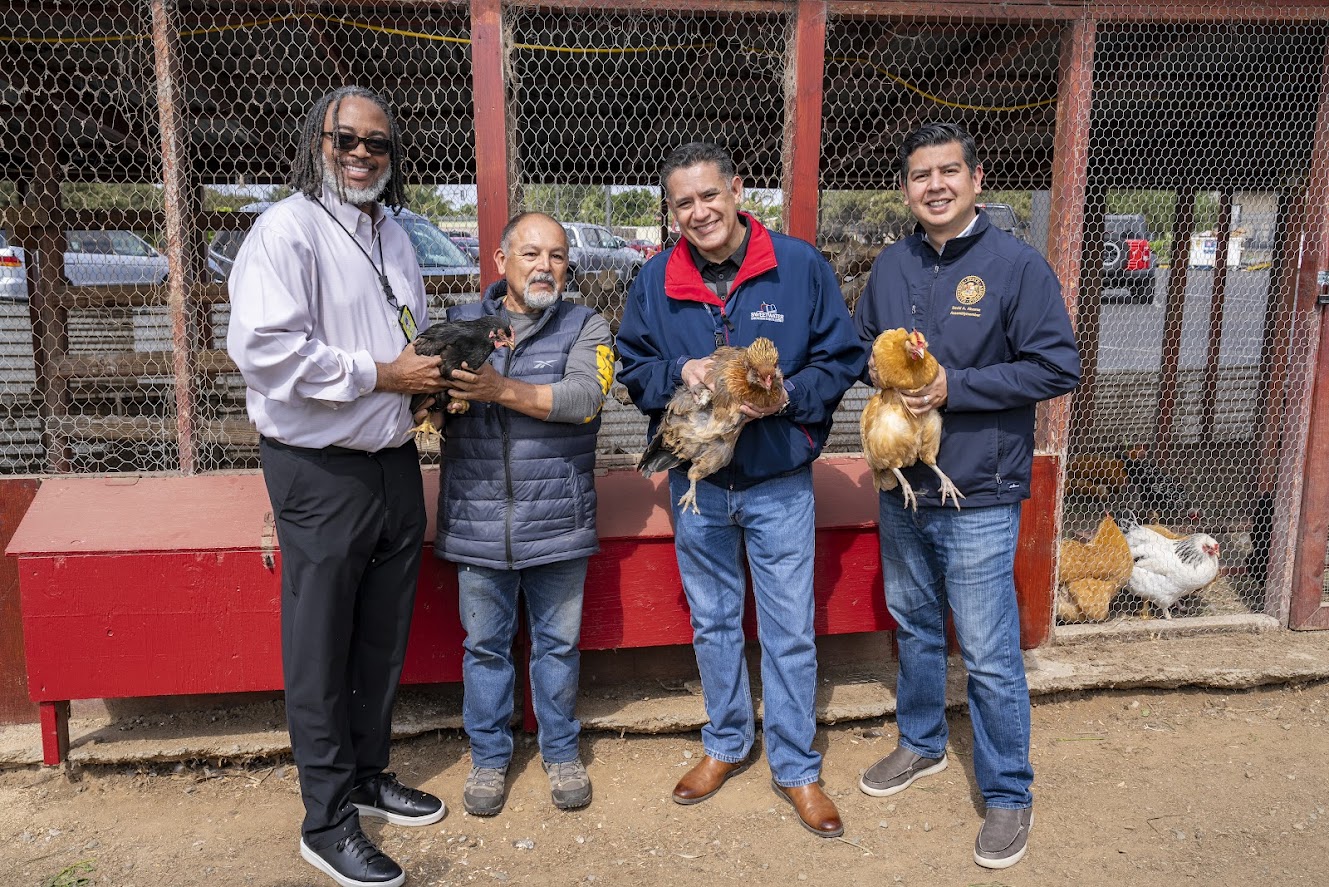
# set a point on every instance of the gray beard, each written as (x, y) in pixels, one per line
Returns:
(356, 196)
(540, 301)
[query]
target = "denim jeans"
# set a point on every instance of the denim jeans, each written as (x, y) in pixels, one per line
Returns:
(553, 594)
(939, 557)
(773, 522)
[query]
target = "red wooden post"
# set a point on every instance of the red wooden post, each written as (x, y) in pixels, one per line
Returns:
(1211, 363)
(16, 706)
(491, 144)
(803, 97)
(1169, 378)
(55, 732)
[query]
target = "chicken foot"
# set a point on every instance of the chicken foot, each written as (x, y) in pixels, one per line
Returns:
(947, 488)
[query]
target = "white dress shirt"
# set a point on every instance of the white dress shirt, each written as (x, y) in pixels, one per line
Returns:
(309, 319)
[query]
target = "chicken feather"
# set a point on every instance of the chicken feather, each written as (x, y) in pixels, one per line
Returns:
(894, 438)
(701, 424)
(1166, 569)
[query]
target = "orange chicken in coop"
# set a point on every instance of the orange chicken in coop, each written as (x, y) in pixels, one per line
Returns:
(1091, 573)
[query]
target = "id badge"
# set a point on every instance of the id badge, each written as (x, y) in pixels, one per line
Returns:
(407, 322)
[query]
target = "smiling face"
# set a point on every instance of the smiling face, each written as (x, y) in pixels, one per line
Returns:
(534, 261)
(358, 176)
(940, 190)
(706, 209)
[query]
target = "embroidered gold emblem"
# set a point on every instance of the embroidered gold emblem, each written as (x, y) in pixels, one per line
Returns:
(970, 290)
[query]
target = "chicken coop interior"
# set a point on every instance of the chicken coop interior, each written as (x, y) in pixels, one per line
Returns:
(1171, 161)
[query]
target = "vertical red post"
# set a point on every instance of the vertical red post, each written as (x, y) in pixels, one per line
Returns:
(803, 97)
(55, 732)
(491, 144)
(182, 247)
(1070, 173)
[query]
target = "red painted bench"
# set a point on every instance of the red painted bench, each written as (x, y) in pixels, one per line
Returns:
(157, 586)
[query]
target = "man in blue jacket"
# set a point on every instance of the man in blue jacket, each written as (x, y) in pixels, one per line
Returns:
(991, 311)
(727, 282)
(516, 509)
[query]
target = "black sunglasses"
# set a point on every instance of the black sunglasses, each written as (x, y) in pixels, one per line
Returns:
(348, 141)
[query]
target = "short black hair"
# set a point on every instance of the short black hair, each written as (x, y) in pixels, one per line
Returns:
(505, 239)
(692, 154)
(930, 134)
(307, 167)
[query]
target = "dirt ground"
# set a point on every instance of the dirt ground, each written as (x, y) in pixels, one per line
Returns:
(1132, 788)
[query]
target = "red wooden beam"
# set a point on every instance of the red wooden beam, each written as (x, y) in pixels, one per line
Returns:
(1169, 377)
(1070, 169)
(491, 143)
(1209, 394)
(1308, 576)
(16, 494)
(803, 99)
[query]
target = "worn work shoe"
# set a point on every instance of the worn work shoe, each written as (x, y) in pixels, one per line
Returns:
(897, 771)
(354, 861)
(1003, 838)
(485, 791)
(569, 784)
(816, 811)
(384, 797)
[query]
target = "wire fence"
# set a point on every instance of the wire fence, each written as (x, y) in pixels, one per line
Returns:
(139, 140)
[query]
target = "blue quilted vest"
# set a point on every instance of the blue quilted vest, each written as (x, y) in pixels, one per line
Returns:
(515, 491)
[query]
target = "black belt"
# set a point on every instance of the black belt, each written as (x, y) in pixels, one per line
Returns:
(328, 450)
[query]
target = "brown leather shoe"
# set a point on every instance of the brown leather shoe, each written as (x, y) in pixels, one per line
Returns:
(815, 809)
(705, 779)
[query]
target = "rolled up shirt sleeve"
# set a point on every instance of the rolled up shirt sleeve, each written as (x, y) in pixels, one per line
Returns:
(580, 394)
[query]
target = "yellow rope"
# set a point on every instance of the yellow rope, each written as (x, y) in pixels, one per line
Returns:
(570, 50)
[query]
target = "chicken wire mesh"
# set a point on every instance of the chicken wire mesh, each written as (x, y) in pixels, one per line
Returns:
(1197, 153)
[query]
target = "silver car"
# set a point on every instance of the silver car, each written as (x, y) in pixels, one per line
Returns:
(92, 258)
(592, 248)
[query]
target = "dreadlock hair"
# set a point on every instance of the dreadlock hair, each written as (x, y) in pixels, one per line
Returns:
(307, 167)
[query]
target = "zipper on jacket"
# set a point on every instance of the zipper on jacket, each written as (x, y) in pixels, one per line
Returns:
(507, 470)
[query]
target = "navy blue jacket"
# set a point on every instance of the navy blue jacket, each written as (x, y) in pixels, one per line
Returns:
(786, 292)
(991, 311)
(515, 491)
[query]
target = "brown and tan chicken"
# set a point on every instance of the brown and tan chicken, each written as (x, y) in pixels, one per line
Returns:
(702, 423)
(1090, 574)
(894, 438)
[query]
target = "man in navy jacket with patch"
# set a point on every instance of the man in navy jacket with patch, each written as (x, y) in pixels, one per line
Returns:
(991, 311)
(730, 281)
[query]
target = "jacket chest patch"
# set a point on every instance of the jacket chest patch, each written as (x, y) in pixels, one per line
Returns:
(968, 293)
(768, 311)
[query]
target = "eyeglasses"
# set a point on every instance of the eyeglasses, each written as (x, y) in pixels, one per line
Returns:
(349, 141)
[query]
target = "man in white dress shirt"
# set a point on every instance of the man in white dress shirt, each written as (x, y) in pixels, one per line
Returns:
(326, 296)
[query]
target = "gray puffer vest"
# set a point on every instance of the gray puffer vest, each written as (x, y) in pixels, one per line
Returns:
(515, 491)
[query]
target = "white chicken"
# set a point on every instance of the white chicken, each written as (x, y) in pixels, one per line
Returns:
(1166, 570)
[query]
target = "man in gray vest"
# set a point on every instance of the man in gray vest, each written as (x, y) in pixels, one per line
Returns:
(516, 508)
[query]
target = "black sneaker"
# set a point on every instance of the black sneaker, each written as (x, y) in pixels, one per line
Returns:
(897, 771)
(354, 861)
(1004, 837)
(382, 796)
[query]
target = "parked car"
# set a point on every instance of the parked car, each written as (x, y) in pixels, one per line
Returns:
(1002, 215)
(437, 254)
(645, 247)
(467, 243)
(1128, 260)
(92, 258)
(592, 249)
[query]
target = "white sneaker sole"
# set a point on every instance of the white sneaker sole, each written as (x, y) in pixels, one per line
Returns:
(398, 819)
(896, 789)
(307, 853)
(1009, 861)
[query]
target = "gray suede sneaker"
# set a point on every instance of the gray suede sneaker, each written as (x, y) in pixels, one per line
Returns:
(1003, 838)
(897, 771)
(485, 791)
(569, 784)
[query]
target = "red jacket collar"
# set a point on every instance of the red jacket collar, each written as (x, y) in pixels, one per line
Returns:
(683, 279)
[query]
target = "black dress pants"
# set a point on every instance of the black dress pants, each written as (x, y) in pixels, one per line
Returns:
(350, 526)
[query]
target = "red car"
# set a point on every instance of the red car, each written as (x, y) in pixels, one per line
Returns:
(645, 247)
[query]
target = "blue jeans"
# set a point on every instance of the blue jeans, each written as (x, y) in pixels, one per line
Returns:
(773, 522)
(553, 594)
(939, 557)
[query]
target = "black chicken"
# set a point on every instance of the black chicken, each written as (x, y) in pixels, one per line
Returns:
(460, 342)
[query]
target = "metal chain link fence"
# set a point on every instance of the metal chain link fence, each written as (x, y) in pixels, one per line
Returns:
(140, 139)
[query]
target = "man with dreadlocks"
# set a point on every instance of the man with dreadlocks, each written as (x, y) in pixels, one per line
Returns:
(326, 297)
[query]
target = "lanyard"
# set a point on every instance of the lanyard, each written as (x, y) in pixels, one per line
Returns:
(405, 319)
